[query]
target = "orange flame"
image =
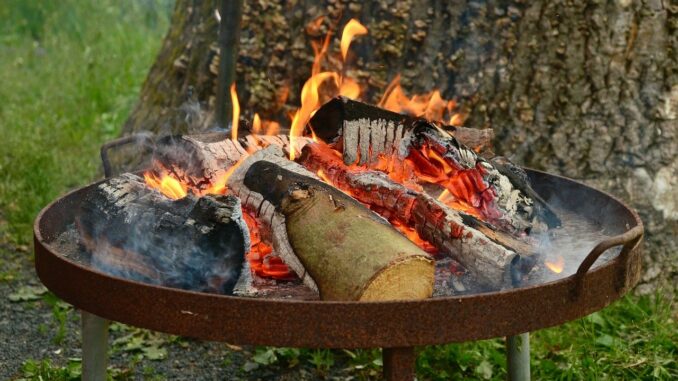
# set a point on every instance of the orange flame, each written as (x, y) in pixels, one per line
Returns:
(310, 101)
(167, 185)
(256, 124)
(236, 113)
(429, 105)
(353, 28)
(349, 88)
(219, 186)
(557, 266)
(272, 128)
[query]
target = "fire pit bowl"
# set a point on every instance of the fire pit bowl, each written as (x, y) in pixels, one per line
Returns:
(396, 326)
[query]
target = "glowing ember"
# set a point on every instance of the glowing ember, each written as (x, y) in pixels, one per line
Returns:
(353, 28)
(413, 236)
(557, 265)
(236, 113)
(260, 257)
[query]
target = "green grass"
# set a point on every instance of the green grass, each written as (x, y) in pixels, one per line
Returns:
(633, 339)
(70, 71)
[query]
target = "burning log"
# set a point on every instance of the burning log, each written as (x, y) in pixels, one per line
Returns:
(419, 151)
(349, 252)
(342, 117)
(495, 258)
(135, 232)
(200, 161)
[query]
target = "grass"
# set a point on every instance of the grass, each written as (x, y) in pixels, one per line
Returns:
(70, 72)
(633, 339)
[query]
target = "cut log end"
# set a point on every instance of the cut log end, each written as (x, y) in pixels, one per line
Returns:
(406, 279)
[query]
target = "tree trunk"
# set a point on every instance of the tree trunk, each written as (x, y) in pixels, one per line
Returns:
(587, 89)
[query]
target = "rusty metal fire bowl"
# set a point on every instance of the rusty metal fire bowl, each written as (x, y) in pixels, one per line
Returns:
(322, 324)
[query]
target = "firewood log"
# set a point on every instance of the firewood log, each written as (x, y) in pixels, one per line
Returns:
(202, 160)
(493, 257)
(198, 160)
(271, 223)
(349, 252)
(336, 117)
(366, 135)
(135, 232)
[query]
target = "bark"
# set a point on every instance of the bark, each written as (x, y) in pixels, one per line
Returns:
(135, 232)
(587, 89)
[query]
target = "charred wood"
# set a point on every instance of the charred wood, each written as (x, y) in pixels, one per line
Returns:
(336, 121)
(493, 257)
(366, 135)
(271, 222)
(198, 160)
(135, 232)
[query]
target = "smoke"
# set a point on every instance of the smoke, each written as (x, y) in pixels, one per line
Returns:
(586, 221)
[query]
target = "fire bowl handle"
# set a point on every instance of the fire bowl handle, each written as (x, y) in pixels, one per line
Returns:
(145, 139)
(629, 239)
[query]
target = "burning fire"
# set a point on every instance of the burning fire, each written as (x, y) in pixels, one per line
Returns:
(353, 28)
(430, 106)
(463, 189)
(166, 184)
(557, 265)
(260, 257)
(236, 113)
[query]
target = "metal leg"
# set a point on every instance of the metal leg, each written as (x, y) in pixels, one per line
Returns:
(518, 356)
(399, 364)
(94, 347)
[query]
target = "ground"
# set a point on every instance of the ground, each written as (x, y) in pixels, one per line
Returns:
(69, 74)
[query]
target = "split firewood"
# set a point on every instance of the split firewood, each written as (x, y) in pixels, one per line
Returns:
(422, 151)
(336, 122)
(202, 161)
(493, 257)
(199, 161)
(271, 223)
(135, 232)
(348, 252)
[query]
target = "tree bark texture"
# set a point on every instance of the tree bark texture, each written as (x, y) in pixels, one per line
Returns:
(587, 89)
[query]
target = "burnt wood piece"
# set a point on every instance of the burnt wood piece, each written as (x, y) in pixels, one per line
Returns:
(271, 223)
(496, 259)
(348, 251)
(250, 285)
(365, 133)
(331, 121)
(133, 231)
(523, 209)
(203, 160)
(198, 160)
